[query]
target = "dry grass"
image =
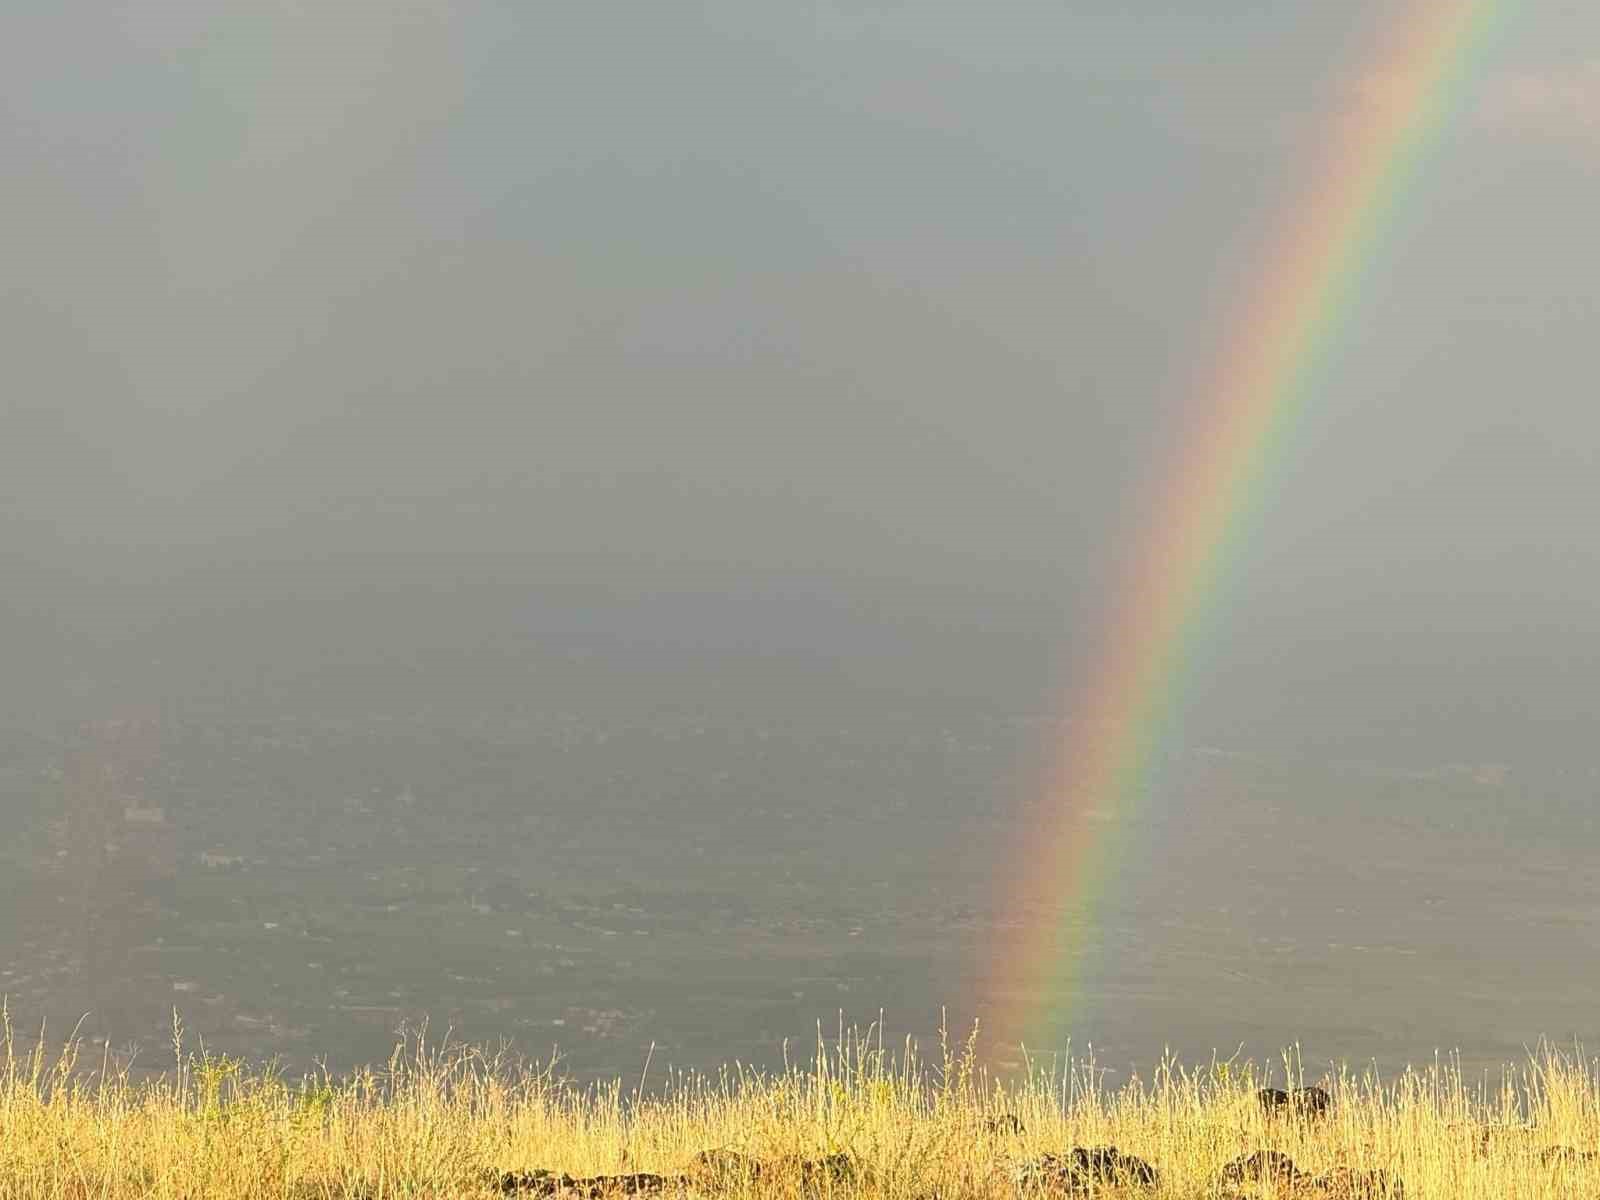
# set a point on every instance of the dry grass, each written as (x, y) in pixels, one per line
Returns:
(446, 1122)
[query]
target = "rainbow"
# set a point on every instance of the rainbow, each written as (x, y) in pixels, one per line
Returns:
(1121, 718)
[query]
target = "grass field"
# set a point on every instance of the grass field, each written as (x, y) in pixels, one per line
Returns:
(857, 1119)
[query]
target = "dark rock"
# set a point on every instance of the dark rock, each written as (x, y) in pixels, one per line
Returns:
(1085, 1169)
(1035, 1172)
(547, 1183)
(1347, 1183)
(1301, 1102)
(1512, 1137)
(1044, 1171)
(834, 1168)
(723, 1167)
(637, 1183)
(1107, 1164)
(814, 1172)
(1259, 1168)
(1566, 1156)
(539, 1183)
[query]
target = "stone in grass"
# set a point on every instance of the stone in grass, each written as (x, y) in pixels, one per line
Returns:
(832, 1168)
(722, 1168)
(1301, 1102)
(1107, 1164)
(1260, 1167)
(593, 1187)
(637, 1183)
(725, 1168)
(1350, 1183)
(1561, 1156)
(1510, 1138)
(1085, 1169)
(537, 1183)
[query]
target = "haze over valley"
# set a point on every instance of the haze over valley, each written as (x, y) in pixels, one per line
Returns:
(598, 526)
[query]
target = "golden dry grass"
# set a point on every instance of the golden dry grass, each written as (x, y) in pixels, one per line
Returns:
(446, 1122)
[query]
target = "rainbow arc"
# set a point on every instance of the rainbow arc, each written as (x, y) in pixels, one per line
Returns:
(1276, 351)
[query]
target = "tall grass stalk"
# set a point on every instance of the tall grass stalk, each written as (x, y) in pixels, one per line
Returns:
(444, 1119)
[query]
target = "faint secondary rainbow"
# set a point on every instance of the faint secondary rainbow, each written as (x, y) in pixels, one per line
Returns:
(1120, 719)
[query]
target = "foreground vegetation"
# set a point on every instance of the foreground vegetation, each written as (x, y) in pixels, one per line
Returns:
(456, 1121)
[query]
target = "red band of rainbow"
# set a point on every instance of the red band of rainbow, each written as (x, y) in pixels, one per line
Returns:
(1307, 286)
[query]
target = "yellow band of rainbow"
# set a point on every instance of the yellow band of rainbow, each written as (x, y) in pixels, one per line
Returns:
(1308, 284)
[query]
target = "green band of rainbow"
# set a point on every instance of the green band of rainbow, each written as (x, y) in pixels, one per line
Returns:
(1307, 287)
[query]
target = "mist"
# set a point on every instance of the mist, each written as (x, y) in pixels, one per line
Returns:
(790, 367)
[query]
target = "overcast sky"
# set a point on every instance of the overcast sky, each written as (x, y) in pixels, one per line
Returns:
(856, 300)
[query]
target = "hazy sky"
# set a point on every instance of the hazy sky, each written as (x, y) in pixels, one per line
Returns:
(888, 304)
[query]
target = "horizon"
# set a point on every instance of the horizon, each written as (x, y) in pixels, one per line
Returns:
(1077, 517)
